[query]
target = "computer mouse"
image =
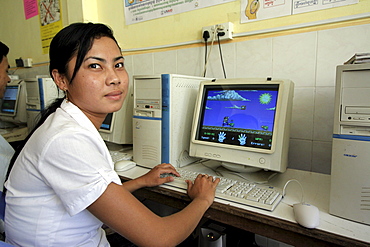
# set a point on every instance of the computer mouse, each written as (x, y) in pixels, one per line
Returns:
(124, 165)
(306, 215)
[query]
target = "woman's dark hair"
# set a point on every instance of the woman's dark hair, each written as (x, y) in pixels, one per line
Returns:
(73, 40)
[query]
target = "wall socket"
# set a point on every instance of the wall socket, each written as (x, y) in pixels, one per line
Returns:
(226, 28)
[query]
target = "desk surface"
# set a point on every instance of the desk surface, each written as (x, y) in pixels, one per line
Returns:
(280, 223)
(14, 134)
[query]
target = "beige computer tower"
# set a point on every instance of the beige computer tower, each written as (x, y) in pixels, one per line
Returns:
(350, 168)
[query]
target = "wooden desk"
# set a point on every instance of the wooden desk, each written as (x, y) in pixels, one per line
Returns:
(278, 225)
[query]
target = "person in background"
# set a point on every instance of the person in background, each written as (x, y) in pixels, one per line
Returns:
(6, 150)
(63, 187)
(4, 66)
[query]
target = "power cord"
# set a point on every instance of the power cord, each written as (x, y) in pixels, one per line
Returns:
(217, 33)
(219, 47)
(209, 53)
(205, 37)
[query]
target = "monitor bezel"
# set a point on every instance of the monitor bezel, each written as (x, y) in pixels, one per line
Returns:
(199, 108)
(110, 130)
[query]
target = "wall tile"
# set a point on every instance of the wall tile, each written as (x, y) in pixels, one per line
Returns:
(321, 157)
(300, 154)
(324, 113)
(190, 61)
(335, 46)
(165, 62)
(214, 67)
(143, 64)
(254, 58)
(302, 115)
(294, 58)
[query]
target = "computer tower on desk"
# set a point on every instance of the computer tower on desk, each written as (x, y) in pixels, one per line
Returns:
(350, 168)
(162, 118)
(41, 92)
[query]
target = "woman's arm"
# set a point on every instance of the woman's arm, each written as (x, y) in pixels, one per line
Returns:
(121, 211)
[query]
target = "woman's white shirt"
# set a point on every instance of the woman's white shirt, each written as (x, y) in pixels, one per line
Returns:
(64, 167)
(6, 153)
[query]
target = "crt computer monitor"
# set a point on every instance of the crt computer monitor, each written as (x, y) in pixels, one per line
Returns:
(116, 128)
(244, 123)
(13, 104)
(107, 125)
(10, 100)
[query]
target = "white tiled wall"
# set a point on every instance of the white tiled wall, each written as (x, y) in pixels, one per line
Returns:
(309, 59)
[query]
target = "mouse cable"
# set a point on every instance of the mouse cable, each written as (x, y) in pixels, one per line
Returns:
(294, 180)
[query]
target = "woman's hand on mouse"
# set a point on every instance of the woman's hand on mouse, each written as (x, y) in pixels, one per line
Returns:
(203, 187)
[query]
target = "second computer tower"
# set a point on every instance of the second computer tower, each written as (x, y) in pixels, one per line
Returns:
(162, 118)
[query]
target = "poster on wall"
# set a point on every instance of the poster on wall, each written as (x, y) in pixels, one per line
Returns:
(255, 10)
(143, 10)
(302, 6)
(50, 21)
(30, 8)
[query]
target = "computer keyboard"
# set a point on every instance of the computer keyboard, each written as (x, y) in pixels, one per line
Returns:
(118, 155)
(230, 190)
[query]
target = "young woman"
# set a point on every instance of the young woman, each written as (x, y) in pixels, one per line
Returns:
(62, 187)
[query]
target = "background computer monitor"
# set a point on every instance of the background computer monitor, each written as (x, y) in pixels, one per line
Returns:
(10, 100)
(13, 104)
(41, 92)
(117, 126)
(107, 125)
(244, 123)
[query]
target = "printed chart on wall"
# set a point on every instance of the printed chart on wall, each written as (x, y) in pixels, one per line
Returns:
(144, 10)
(254, 10)
(50, 21)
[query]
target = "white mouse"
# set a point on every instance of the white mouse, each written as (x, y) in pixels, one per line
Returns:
(306, 215)
(124, 165)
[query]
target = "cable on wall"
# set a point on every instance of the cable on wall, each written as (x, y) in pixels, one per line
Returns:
(219, 47)
(209, 53)
(217, 33)
(205, 37)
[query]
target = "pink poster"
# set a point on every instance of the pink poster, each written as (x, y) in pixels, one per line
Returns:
(30, 8)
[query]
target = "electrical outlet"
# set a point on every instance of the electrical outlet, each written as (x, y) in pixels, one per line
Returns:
(225, 28)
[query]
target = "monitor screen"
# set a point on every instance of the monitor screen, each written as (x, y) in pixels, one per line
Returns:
(243, 123)
(238, 115)
(9, 103)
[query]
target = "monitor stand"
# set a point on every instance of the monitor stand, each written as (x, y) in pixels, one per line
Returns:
(259, 177)
(251, 174)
